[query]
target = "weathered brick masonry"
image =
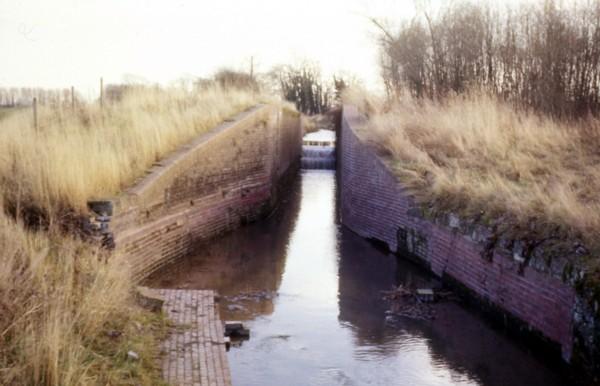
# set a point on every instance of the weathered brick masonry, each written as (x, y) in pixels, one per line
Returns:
(195, 352)
(374, 205)
(223, 178)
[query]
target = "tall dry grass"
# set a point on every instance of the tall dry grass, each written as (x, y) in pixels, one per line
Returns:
(6, 111)
(480, 157)
(90, 153)
(67, 315)
(67, 309)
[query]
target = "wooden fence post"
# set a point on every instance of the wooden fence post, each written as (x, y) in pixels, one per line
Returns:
(101, 94)
(35, 115)
(73, 98)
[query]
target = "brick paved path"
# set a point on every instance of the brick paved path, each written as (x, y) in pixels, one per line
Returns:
(195, 350)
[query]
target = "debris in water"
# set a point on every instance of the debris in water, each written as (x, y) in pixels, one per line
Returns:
(236, 308)
(236, 330)
(232, 326)
(425, 295)
(414, 304)
(252, 296)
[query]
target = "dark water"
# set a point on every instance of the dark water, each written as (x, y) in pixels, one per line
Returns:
(310, 292)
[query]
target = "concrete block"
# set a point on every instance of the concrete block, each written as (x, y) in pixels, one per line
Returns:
(149, 298)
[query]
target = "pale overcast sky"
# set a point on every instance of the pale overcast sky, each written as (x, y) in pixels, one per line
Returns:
(60, 43)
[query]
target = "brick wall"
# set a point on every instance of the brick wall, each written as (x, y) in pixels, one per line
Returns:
(374, 205)
(225, 177)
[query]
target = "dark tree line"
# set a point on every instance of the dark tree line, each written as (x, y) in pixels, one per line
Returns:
(544, 56)
(304, 87)
(311, 94)
(23, 96)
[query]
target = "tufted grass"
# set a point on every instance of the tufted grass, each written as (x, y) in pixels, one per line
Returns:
(482, 158)
(67, 310)
(68, 316)
(76, 156)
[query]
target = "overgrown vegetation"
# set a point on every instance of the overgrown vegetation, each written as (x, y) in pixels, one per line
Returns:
(67, 310)
(94, 152)
(6, 111)
(492, 112)
(67, 314)
(480, 157)
(544, 56)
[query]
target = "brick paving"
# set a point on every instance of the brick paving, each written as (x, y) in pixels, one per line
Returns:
(195, 350)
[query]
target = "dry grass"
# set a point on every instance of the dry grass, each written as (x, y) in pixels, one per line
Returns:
(60, 303)
(6, 111)
(480, 157)
(90, 153)
(67, 313)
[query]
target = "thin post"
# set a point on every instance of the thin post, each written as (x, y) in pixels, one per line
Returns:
(72, 98)
(252, 67)
(101, 93)
(35, 115)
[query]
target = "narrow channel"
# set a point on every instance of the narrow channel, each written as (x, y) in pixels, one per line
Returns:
(311, 293)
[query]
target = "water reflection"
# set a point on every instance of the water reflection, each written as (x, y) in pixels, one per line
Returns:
(327, 324)
(247, 262)
(457, 347)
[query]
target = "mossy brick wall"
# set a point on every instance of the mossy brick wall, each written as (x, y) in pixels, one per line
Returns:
(221, 179)
(375, 205)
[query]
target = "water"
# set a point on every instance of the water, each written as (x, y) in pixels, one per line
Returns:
(318, 150)
(318, 157)
(310, 292)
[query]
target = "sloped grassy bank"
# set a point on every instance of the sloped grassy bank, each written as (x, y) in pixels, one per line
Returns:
(68, 310)
(530, 180)
(74, 156)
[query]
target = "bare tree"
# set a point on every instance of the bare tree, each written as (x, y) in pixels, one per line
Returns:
(545, 57)
(305, 88)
